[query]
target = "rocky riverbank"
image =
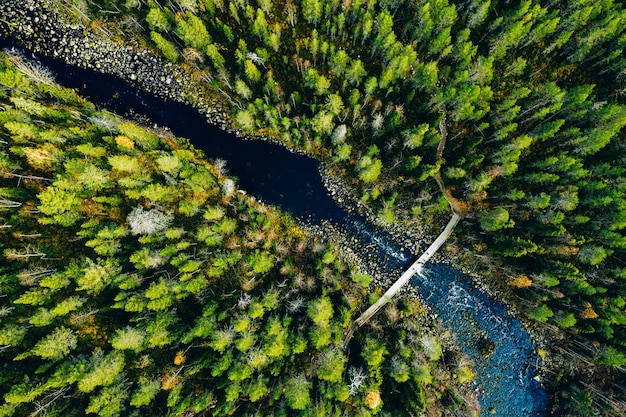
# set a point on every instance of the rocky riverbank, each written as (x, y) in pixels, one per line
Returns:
(39, 26)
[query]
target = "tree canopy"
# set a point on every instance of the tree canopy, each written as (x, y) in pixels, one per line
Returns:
(529, 94)
(135, 281)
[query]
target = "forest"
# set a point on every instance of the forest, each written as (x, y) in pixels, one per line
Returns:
(530, 96)
(517, 106)
(138, 280)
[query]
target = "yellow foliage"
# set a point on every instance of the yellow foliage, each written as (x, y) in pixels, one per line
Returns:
(372, 399)
(169, 381)
(297, 233)
(479, 247)
(124, 142)
(87, 326)
(92, 209)
(588, 312)
(521, 281)
(143, 362)
(180, 358)
(40, 158)
(564, 250)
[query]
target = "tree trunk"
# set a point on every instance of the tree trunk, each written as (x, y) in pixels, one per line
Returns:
(415, 268)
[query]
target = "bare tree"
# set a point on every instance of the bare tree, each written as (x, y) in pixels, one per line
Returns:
(150, 222)
(357, 377)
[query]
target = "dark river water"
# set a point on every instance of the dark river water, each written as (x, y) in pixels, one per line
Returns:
(505, 378)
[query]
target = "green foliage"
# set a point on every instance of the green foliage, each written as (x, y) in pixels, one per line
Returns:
(565, 321)
(258, 389)
(373, 353)
(612, 357)
(62, 205)
(495, 219)
(140, 136)
(128, 338)
(369, 168)
(297, 393)
(320, 311)
(317, 82)
(158, 19)
(261, 262)
(96, 275)
(541, 313)
(221, 340)
(363, 279)
(102, 371)
(145, 393)
(11, 334)
(67, 306)
(109, 402)
(320, 337)
(593, 255)
(166, 47)
(245, 120)
(399, 370)
(192, 31)
(252, 72)
(54, 346)
(332, 367)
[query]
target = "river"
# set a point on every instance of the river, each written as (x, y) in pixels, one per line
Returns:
(505, 381)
